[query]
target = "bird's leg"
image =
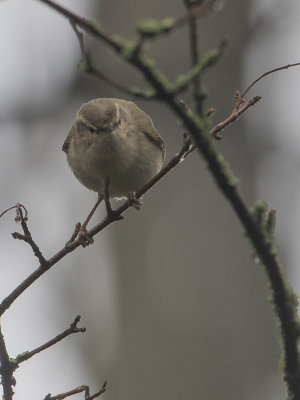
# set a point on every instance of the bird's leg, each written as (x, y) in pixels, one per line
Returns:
(81, 230)
(88, 218)
(134, 201)
(113, 214)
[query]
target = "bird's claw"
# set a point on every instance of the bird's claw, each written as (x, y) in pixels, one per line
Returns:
(83, 237)
(134, 201)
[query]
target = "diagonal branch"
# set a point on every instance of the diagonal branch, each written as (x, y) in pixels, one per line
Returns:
(239, 108)
(283, 297)
(72, 329)
(186, 150)
(177, 159)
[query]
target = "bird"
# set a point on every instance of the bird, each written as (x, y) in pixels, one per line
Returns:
(113, 149)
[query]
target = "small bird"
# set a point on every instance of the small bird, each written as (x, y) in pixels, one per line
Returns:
(113, 148)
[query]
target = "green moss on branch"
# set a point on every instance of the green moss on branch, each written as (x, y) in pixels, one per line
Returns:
(149, 28)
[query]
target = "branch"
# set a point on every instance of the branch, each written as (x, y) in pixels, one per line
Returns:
(181, 82)
(198, 10)
(72, 329)
(87, 65)
(6, 370)
(131, 51)
(265, 74)
(186, 150)
(194, 52)
(92, 27)
(79, 389)
(239, 108)
(18, 207)
(283, 298)
(27, 235)
(150, 28)
(177, 159)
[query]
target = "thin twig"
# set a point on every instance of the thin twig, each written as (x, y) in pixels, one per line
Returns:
(265, 74)
(97, 394)
(79, 389)
(72, 329)
(70, 393)
(18, 207)
(27, 236)
(75, 233)
(194, 52)
(239, 108)
(6, 371)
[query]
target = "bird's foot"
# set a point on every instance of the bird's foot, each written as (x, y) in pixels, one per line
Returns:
(84, 238)
(113, 215)
(80, 233)
(134, 201)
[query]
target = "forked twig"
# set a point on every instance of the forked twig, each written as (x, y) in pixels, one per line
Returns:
(26, 237)
(239, 108)
(18, 207)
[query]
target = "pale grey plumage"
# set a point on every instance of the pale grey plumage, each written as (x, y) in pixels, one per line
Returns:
(113, 140)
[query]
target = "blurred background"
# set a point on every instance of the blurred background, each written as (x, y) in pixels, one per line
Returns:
(173, 303)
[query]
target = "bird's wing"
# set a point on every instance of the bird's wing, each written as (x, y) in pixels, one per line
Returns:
(144, 124)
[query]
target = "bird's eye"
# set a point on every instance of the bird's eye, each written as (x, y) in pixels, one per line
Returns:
(91, 129)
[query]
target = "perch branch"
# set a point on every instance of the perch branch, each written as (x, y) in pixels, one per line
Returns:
(6, 303)
(186, 149)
